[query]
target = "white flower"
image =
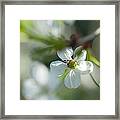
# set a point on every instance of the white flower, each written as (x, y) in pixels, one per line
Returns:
(69, 69)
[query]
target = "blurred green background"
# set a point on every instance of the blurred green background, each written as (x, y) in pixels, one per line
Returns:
(39, 41)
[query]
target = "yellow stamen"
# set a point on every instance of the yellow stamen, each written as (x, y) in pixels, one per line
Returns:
(72, 64)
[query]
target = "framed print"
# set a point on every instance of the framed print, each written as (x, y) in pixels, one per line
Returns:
(60, 59)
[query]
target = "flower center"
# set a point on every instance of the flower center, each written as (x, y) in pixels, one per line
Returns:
(72, 64)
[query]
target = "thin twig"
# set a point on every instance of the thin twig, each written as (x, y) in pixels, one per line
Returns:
(94, 80)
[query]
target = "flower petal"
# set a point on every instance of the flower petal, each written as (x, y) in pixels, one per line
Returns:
(85, 67)
(65, 54)
(82, 56)
(72, 80)
(56, 69)
(77, 51)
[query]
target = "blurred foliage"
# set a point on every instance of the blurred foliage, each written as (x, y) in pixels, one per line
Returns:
(77, 94)
(44, 55)
(96, 47)
(27, 27)
(85, 27)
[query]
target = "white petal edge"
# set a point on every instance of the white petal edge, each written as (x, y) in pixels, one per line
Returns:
(57, 67)
(72, 80)
(85, 67)
(65, 54)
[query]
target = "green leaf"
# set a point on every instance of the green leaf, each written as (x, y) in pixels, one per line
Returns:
(91, 58)
(63, 76)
